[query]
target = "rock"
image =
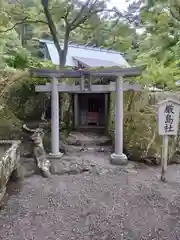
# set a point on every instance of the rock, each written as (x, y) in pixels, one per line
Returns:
(29, 166)
(87, 139)
(58, 167)
(38, 149)
(75, 166)
(2, 193)
(9, 164)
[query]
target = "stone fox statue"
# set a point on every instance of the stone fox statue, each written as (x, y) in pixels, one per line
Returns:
(38, 149)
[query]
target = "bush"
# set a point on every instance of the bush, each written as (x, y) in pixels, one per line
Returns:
(10, 125)
(24, 102)
(141, 139)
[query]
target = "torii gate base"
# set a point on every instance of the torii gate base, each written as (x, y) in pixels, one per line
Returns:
(55, 155)
(119, 159)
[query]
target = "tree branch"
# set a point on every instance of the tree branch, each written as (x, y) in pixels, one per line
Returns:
(177, 8)
(24, 20)
(85, 28)
(16, 24)
(122, 15)
(51, 26)
(80, 12)
(67, 12)
(83, 19)
(89, 15)
(101, 29)
(65, 17)
(91, 11)
(65, 47)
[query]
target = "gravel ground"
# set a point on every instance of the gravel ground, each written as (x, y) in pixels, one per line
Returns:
(131, 204)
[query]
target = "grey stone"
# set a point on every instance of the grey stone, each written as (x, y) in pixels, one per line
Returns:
(119, 159)
(75, 166)
(9, 164)
(87, 139)
(38, 149)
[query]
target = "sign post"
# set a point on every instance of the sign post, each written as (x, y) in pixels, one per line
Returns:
(168, 121)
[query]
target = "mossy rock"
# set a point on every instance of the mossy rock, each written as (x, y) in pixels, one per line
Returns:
(33, 107)
(141, 139)
(10, 125)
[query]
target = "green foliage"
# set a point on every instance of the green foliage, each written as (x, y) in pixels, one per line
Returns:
(10, 125)
(23, 101)
(158, 47)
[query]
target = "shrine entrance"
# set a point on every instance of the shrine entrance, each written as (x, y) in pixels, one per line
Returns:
(92, 110)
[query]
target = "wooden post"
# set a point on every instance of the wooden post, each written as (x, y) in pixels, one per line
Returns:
(164, 159)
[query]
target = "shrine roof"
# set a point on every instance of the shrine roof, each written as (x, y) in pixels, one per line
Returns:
(92, 62)
(97, 56)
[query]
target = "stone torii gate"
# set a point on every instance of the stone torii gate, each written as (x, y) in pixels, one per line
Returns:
(118, 157)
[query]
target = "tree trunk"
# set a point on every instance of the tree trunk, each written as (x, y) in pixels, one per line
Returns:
(52, 27)
(63, 53)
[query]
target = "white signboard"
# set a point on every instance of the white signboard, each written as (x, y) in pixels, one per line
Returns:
(168, 117)
(168, 121)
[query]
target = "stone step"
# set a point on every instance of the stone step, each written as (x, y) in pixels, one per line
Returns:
(87, 139)
(91, 149)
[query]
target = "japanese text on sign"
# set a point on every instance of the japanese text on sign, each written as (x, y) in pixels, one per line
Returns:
(168, 117)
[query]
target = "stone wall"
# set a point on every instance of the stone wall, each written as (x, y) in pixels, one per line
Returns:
(141, 139)
(9, 163)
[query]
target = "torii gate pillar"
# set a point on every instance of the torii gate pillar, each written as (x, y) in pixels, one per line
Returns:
(54, 120)
(119, 158)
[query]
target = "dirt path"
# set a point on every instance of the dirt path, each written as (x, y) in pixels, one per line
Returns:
(130, 204)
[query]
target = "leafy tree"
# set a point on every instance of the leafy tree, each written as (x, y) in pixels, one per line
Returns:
(158, 46)
(82, 22)
(73, 13)
(91, 22)
(61, 17)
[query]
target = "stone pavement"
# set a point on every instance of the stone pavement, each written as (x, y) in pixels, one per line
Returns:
(88, 142)
(124, 203)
